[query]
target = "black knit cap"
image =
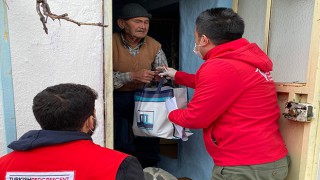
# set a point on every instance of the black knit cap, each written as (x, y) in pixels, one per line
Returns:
(133, 10)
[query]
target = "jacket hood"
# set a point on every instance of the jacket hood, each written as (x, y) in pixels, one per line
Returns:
(39, 138)
(241, 50)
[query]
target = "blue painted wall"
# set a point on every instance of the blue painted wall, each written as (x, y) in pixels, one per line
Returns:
(6, 82)
(193, 160)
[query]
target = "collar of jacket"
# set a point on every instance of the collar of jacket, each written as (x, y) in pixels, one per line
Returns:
(39, 138)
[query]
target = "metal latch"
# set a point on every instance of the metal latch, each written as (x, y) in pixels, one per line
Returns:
(302, 112)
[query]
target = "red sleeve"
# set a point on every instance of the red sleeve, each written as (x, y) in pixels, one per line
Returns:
(217, 86)
(185, 79)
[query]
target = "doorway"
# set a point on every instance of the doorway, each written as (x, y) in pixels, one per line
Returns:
(164, 25)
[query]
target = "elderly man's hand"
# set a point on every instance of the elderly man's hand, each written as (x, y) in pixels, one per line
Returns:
(143, 75)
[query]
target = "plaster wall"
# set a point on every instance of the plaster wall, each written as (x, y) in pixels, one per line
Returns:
(254, 20)
(68, 54)
(288, 19)
(289, 39)
(193, 160)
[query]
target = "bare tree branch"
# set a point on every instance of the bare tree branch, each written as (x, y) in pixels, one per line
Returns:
(46, 12)
(5, 2)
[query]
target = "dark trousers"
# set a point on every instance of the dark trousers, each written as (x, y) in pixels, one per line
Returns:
(145, 149)
(277, 170)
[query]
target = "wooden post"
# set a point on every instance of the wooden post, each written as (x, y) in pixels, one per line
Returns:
(108, 73)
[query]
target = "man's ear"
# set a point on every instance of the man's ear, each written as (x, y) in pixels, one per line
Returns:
(120, 23)
(205, 40)
(90, 122)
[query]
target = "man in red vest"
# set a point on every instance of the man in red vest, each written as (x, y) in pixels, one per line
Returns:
(63, 149)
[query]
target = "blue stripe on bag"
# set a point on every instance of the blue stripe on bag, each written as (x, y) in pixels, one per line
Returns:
(154, 99)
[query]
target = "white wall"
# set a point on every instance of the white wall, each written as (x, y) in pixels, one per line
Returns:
(289, 40)
(254, 20)
(69, 53)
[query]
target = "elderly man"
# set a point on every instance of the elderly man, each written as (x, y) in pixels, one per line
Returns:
(135, 58)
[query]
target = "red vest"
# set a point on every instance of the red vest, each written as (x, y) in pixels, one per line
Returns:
(81, 159)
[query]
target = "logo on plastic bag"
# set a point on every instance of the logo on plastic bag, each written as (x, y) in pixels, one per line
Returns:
(146, 119)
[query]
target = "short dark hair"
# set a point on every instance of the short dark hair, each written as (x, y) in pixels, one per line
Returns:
(64, 107)
(220, 25)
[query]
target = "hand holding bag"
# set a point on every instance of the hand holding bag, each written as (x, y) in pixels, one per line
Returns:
(150, 113)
